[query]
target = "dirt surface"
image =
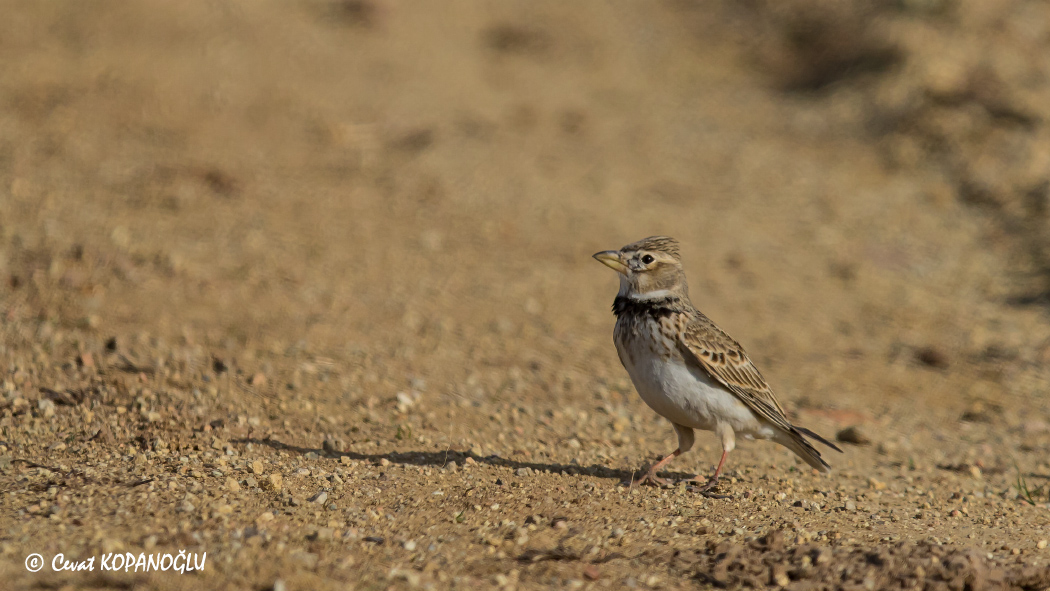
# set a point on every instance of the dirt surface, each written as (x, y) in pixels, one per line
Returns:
(307, 286)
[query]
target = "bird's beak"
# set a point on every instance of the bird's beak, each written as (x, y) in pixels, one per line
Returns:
(611, 259)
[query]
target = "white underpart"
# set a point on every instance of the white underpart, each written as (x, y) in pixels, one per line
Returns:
(656, 294)
(688, 396)
(625, 290)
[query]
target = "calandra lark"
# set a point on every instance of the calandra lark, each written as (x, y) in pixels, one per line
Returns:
(686, 368)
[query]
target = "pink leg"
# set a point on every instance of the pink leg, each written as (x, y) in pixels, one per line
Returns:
(706, 488)
(651, 477)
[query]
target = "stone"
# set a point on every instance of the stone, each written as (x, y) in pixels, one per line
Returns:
(274, 482)
(853, 435)
(46, 408)
(324, 533)
(591, 572)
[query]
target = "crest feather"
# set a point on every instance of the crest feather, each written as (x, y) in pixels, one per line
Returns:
(664, 244)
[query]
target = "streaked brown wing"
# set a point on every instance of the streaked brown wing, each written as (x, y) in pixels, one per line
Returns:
(708, 346)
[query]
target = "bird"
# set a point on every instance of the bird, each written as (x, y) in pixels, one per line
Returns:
(686, 368)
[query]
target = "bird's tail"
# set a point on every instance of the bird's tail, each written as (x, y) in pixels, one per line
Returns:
(804, 449)
(813, 435)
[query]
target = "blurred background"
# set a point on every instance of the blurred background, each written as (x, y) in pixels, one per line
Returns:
(852, 182)
(407, 194)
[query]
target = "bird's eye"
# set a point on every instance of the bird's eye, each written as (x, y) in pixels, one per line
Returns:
(648, 259)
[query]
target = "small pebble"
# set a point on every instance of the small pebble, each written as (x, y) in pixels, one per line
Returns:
(591, 572)
(274, 482)
(932, 357)
(324, 533)
(852, 435)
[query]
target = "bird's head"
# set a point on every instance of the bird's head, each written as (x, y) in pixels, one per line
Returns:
(649, 268)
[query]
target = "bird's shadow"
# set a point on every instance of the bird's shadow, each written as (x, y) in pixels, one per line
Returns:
(442, 458)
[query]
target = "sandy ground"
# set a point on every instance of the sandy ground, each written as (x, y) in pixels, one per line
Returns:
(307, 286)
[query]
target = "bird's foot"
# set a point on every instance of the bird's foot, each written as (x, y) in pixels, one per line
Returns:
(706, 488)
(652, 479)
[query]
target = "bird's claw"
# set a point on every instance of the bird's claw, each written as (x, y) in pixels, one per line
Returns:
(705, 490)
(652, 479)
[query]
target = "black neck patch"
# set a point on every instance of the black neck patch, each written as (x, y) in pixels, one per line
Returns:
(657, 308)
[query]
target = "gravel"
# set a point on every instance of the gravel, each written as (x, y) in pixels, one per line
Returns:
(323, 307)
